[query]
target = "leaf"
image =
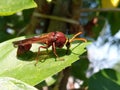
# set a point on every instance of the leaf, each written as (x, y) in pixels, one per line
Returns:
(107, 79)
(110, 3)
(24, 69)
(7, 83)
(79, 68)
(9, 7)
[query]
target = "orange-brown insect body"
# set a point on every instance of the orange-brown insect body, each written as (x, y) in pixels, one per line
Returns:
(54, 39)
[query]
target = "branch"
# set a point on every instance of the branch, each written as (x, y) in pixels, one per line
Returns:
(100, 10)
(56, 18)
(63, 83)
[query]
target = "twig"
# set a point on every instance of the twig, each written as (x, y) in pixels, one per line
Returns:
(56, 18)
(100, 10)
(63, 83)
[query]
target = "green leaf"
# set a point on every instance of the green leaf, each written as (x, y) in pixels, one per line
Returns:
(7, 83)
(79, 68)
(24, 69)
(107, 79)
(9, 7)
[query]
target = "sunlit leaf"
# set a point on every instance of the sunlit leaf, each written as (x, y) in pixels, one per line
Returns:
(8, 7)
(24, 69)
(109, 3)
(7, 83)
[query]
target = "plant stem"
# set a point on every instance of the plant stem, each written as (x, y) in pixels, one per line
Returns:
(100, 10)
(56, 18)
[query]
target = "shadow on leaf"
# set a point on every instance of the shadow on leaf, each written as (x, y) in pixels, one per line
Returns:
(30, 56)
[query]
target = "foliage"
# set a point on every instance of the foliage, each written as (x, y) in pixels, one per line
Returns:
(7, 83)
(25, 68)
(8, 7)
(29, 17)
(107, 79)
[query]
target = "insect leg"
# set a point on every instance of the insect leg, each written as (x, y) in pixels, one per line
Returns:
(54, 49)
(38, 53)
